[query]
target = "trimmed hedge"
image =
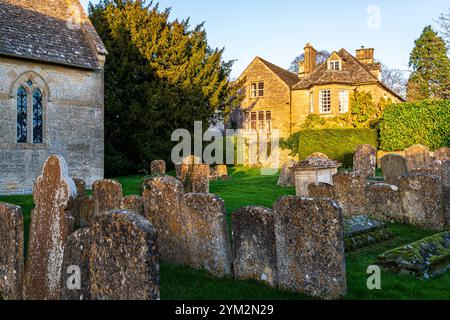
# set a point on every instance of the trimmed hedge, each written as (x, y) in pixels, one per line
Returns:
(337, 144)
(425, 122)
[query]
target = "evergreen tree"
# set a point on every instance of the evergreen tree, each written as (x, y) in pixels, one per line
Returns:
(430, 78)
(160, 75)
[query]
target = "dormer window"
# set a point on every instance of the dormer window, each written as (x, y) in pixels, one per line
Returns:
(334, 65)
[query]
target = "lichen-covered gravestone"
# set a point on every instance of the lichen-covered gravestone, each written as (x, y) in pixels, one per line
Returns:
(77, 202)
(254, 251)
(383, 203)
(321, 190)
(439, 168)
(361, 231)
(198, 179)
(133, 204)
(393, 166)
(310, 246)
(11, 252)
(158, 167)
(365, 160)
(287, 178)
(124, 263)
(206, 234)
(442, 154)
(421, 199)
(417, 156)
(85, 207)
(349, 191)
(107, 196)
(51, 223)
(446, 197)
(75, 268)
(219, 171)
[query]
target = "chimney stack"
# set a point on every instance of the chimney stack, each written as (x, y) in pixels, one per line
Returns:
(365, 55)
(310, 59)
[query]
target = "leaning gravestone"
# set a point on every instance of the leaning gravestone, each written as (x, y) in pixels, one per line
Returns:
(158, 167)
(421, 199)
(321, 190)
(286, 178)
(417, 156)
(133, 204)
(349, 191)
(442, 154)
(254, 251)
(365, 160)
(123, 262)
(75, 277)
(206, 235)
(383, 203)
(11, 252)
(51, 223)
(107, 196)
(393, 166)
(310, 246)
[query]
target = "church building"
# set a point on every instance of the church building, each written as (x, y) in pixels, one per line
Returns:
(51, 91)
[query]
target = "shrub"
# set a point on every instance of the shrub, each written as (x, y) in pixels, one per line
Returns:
(405, 124)
(338, 144)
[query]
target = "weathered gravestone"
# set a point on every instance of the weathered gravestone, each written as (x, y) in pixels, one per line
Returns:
(86, 210)
(123, 263)
(287, 178)
(417, 156)
(349, 191)
(254, 251)
(310, 246)
(185, 167)
(51, 223)
(158, 167)
(133, 204)
(439, 168)
(361, 231)
(321, 190)
(393, 166)
(107, 196)
(383, 203)
(219, 171)
(198, 180)
(446, 197)
(75, 277)
(442, 154)
(421, 199)
(206, 234)
(11, 252)
(78, 201)
(426, 258)
(365, 160)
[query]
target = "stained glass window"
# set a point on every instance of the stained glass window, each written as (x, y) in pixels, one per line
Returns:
(21, 115)
(37, 116)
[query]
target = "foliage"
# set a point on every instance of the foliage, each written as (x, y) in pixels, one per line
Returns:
(429, 60)
(426, 122)
(160, 75)
(322, 56)
(394, 79)
(337, 144)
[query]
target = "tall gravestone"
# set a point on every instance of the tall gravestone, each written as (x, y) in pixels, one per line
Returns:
(393, 166)
(349, 190)
(310, 246)
(254, 250)
(51, 223)
(384, 203)
(11, 252)
(417, 156)
(107, 196)
(365, 160)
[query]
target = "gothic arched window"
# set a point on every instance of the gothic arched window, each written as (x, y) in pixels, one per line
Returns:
(37, 116)
(22, 115)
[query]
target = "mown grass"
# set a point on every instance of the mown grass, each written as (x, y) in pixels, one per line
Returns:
(248, 187)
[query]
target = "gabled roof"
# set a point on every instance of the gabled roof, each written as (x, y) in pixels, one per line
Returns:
(54, 31)
(288, 77)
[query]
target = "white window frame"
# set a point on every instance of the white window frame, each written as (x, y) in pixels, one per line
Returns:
(257, 90)
(343, 101)
(334, 65)
(325, 99)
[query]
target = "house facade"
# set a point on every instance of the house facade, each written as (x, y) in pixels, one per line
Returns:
(51, 91)
(278, 99)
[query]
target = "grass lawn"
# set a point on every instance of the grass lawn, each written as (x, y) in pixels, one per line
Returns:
(247, 187)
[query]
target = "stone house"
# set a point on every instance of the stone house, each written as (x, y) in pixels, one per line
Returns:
(51, 91)
(278, 99)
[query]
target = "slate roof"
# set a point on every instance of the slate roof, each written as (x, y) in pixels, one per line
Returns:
(45, 30)
(288, 77)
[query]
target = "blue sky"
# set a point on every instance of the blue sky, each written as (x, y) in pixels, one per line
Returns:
(278, 30)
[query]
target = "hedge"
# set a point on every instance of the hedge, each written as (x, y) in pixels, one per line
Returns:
(405, 124)
(337, 144)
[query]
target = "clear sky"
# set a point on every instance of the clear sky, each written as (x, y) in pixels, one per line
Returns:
(277, 30)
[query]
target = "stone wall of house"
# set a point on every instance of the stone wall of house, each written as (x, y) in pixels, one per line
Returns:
(73, 103)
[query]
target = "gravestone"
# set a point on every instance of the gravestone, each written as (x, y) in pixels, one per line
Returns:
(383, 203)
(365, 160)
(440, 168)
(51, 223)
(421, 199)
(11, 252)
(206, 235)
(442, 154)
(393, 166)
(124, 263)
(184, 169)
(310, 246)
(77, 202)
(321, 190)
(349, 191)
(254, 251)
(107, 196)
(86, 210)
(198, 180)
(446, 197)
(417, 156)
(76, 259)
(158, 167)
(133, 204)
(286, 178)
(219, 171)
(361, 231)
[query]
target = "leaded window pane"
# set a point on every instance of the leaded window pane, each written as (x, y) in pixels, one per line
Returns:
(21, 115)
(37, 116)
